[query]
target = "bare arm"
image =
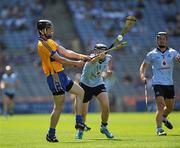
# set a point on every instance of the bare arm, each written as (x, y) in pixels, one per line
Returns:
(108, 72)
(71, 54)
(143, 68)
(109, 69)
(61, 59)
(178, 58)
(65, 61)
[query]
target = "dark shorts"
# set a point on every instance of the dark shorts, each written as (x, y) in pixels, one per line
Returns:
(60, 84)
(10, 95)
(92, 91)
(167, 91)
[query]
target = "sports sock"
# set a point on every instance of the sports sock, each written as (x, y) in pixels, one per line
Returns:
(103, 124)
(51, 132)
(159, 129)
(79, 119)
(164, 118)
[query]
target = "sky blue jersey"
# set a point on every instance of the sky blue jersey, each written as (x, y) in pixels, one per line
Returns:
(10, 81)
(162, 65)
(91, 74)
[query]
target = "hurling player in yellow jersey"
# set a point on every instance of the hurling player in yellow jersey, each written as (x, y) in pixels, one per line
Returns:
(54, 57)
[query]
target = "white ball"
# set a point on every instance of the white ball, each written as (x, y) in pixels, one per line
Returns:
(120, 37)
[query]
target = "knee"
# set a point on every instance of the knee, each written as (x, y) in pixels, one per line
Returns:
(160, 108)
(81, 93)
(57, 109)
(169, 109)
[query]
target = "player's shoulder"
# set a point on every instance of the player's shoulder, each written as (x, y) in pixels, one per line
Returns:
(14, 75)
(152, 51)
(109, 56)
(4, 76)
(172, 49)
(49, 41)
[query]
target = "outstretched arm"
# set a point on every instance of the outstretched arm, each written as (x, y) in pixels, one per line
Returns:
(71, 54)
(66, 61)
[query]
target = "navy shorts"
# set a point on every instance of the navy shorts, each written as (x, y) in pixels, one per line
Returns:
(10, 95)
(92, 91)
(167, 91)
(59, 83)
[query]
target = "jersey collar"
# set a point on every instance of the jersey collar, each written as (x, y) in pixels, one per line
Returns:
(162, 51)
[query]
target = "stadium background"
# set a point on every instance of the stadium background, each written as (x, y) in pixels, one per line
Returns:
(79, 24)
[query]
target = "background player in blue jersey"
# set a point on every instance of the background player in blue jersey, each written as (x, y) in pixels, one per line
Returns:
(162, 60)
(9, 84)
(92, 83)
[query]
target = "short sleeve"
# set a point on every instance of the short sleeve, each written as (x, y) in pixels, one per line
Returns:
(109, 57)
(147, 60)
(49, 47)
(175, 54)
(42, 50)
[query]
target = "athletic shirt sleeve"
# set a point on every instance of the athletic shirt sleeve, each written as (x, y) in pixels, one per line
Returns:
(148, 57)
(175, 53)
(108, 57)
(48, 51)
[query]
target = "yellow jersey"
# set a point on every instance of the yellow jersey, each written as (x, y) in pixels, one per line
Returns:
(49, 65)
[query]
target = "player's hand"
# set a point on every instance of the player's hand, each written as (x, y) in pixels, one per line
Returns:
(85, 58)
(178, 58)
(144, 79)
(79, 63)
(102, 55)
(109, 73)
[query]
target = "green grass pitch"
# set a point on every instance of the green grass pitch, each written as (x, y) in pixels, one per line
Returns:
(130, 130)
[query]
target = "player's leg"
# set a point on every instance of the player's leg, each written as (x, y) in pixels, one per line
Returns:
(11, 104)
(160, 103)
(104, 102)
(79, 92)
(79, 133)
(85, 111)
(167, 110)
(84, 114)
(58, 98)
(58, 105)
(88, 93)
(169, 101)
(5, 105)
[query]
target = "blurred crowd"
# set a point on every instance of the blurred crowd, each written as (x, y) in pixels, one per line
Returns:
(105, 15)
(16, 16)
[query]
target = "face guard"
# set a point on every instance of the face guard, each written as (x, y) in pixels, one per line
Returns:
(99, 47)
(161, 39)
(42, 26)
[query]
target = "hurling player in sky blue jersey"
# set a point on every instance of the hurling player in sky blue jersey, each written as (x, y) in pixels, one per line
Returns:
(161, 60)
(92, 83)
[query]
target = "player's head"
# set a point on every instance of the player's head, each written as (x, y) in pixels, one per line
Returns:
(8, 69)
(100, 48)
(45, 28)
(162, 39)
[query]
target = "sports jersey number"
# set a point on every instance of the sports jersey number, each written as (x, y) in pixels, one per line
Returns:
(98, 73)
(58, 86)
